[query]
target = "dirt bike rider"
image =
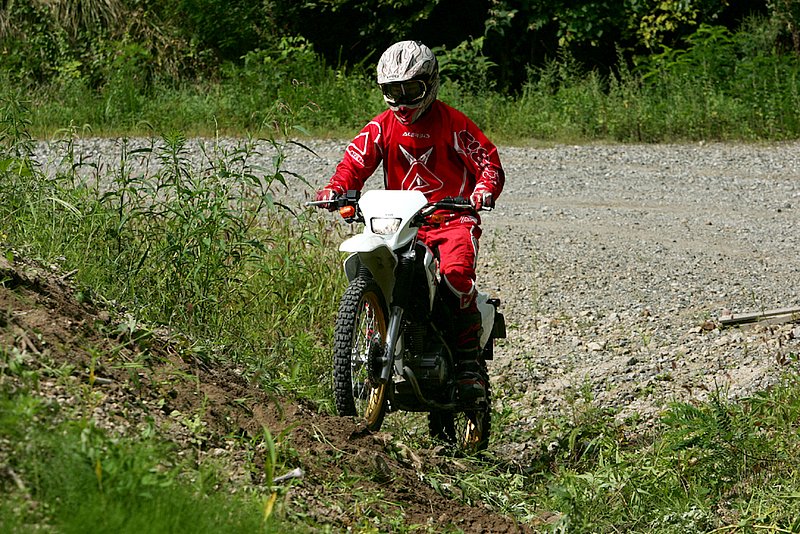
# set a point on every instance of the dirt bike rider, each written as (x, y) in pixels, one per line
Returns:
(426, 145)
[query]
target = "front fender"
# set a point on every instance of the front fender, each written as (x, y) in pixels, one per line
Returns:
(362, 243)
(371, 252)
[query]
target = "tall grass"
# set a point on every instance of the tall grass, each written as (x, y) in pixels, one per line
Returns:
(291, 86)
(206, 249)
(723, 86)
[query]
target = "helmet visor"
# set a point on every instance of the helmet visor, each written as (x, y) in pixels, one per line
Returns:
(405, 93)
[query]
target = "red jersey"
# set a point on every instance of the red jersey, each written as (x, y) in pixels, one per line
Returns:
(442, 154)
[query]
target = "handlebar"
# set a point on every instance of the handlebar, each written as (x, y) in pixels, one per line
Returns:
(351, 198)
(452, 203)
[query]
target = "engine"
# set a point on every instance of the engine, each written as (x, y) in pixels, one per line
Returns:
(425, 355)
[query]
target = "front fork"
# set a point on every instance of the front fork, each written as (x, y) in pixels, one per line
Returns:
(392, 337)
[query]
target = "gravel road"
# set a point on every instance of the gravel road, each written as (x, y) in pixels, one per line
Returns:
(614, 264)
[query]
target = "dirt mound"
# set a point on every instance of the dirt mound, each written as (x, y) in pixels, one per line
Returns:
(203, 406)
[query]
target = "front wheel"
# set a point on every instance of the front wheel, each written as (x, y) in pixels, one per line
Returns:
(358, 338)
(467, 431)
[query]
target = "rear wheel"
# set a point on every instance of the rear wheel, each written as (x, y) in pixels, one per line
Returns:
(358, 339)
(467, 431)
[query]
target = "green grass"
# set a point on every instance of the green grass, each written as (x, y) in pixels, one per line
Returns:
(210, 254)
(207, 251)
(62, 472)
(719, 466)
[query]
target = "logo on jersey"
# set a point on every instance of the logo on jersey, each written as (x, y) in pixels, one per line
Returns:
(358, 147)
(467, 144)
(418, 135)
(419, 177)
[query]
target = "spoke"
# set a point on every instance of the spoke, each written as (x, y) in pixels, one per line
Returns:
(359, 391)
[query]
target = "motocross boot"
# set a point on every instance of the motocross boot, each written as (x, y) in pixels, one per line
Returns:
(470, 382)
(469, 379)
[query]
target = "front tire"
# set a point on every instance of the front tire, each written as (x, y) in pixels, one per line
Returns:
(362, 315)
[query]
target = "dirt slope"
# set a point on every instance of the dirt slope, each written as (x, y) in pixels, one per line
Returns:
(40, 316)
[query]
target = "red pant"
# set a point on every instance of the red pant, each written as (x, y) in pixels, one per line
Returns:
(456, 242)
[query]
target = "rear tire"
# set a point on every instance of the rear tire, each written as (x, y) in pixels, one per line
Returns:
(467, 432)
(362, 314)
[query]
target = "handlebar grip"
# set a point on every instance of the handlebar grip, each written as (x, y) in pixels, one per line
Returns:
(456, 200)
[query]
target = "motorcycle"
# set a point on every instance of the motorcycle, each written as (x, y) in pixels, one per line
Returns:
(393, 337)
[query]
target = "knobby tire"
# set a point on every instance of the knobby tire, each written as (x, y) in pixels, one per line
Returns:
(362, 314)
(468, 431)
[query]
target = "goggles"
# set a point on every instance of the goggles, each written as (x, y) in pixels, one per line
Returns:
(404, 93)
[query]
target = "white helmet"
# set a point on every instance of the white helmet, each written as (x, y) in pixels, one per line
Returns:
(408, 74)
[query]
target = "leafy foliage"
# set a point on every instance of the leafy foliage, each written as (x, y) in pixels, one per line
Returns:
(46, 41)
(640, 70)
(229, 28)
(787, 14)
(467, 66)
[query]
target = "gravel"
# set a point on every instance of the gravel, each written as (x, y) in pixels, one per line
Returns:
(614, 264)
